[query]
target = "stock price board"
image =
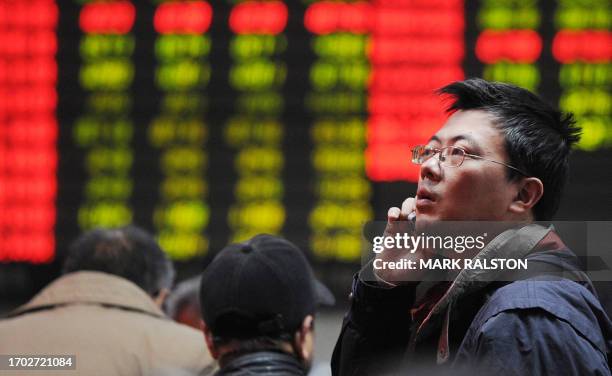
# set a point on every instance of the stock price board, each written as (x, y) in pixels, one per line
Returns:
(210, 121)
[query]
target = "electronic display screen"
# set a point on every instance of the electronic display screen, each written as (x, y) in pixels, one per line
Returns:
(207, 122)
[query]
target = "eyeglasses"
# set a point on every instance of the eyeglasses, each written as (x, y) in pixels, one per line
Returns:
(450, 156)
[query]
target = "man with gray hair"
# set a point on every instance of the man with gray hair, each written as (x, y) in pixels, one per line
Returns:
(105, 310)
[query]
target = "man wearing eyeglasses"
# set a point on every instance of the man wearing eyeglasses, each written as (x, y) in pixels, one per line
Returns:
(501, 157)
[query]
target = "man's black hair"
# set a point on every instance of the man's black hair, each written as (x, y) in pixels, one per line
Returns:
(538, 136)
(127, 252)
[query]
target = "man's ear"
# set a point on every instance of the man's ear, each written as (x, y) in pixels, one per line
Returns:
(304, 339)
(530, 191)
(208, 338)
(161, 297)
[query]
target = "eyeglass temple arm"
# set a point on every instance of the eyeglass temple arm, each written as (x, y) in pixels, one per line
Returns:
(501, 163)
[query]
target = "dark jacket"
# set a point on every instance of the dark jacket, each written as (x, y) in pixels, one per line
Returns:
(547, 321)
(262, 363)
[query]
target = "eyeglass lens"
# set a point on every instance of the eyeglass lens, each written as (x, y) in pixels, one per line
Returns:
(450, 156)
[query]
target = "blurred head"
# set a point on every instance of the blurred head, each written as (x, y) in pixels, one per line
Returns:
(183, 303)
(128, 252)
(260, 295)
(502, 125)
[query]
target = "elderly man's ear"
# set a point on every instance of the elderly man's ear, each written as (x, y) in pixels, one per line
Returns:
(304, 339)
(529, 192)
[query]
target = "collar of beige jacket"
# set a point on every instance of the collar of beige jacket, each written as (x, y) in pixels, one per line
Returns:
(88, 287)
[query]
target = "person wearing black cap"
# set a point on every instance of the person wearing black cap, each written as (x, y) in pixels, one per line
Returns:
(258, 300)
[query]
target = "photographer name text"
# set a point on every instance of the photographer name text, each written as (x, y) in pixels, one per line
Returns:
(451, 264)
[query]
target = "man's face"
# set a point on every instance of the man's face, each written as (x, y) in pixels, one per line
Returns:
(475, 190)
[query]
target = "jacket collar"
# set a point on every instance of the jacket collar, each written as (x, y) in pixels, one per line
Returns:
(514, 243)
(263, 362)
(88, 287)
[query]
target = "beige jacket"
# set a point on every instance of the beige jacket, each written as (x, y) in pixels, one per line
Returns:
(110, 324)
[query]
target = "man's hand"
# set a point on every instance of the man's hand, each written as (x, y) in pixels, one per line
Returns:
(398, 222)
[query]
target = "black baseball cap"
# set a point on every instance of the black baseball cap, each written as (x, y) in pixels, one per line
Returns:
(261, 287)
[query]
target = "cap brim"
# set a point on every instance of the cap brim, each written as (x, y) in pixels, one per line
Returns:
(323, 295)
